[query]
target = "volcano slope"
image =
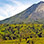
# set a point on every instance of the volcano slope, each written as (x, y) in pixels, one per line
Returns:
(33, 14)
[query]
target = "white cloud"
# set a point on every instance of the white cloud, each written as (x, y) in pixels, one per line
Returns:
(16, 2)
(3, 12)
(9, 10)
(1, 17)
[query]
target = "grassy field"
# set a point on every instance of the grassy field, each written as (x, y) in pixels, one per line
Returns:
(23, 41)
(21, 33)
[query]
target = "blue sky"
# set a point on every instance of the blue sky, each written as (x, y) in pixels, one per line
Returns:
(9, 8)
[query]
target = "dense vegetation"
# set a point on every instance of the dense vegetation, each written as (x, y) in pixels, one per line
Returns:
(22, 33)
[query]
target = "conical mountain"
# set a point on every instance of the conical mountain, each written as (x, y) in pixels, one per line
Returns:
(33, 14)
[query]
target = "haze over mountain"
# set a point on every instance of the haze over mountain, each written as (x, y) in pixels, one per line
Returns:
(33, 14)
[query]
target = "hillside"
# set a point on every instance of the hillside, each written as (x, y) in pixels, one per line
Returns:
(33, 14)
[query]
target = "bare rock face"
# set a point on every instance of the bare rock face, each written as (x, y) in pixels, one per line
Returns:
(38, 14)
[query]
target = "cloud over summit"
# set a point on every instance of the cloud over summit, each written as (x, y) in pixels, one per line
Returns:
(9, 8)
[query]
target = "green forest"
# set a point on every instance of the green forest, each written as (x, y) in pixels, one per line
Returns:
(22, 33)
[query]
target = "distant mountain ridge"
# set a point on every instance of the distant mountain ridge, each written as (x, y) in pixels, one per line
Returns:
(33, 14)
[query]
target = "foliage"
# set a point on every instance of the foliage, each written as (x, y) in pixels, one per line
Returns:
(22, 33)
